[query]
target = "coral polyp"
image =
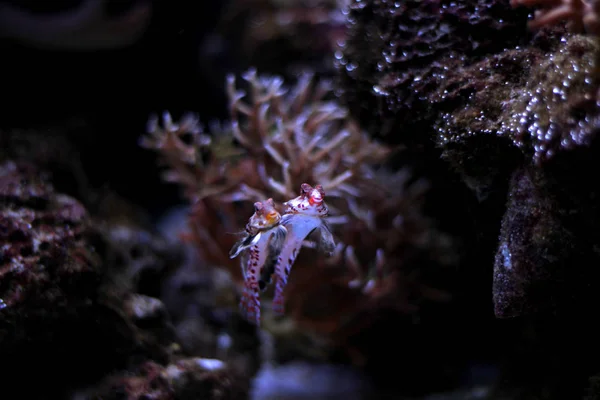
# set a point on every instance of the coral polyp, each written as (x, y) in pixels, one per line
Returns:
(580, 15)
(278, 137)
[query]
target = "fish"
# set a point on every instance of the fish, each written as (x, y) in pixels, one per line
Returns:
(304, 216)
(259, 248)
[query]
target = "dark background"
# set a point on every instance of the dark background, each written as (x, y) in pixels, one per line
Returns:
(105, 97)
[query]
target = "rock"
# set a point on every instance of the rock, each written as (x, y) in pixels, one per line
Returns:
(59, 316)
(186, 379)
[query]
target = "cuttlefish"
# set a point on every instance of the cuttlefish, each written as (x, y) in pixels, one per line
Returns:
(304, 216)
(272, 243)
(263, 238)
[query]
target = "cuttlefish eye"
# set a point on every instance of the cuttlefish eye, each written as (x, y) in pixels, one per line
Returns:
(315, 198)
(305, 189)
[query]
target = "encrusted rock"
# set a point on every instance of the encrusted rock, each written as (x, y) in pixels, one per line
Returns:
(42, 255)
(402, 61)
(54, 293)
(186, 379)
(466, 80)
(49, 279)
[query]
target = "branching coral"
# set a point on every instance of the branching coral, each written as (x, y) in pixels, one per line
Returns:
(377, 264)
(279, 138)
(286, 137)
(299, 136)
(580, 14)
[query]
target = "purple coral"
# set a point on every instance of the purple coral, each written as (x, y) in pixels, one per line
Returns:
(580, 14)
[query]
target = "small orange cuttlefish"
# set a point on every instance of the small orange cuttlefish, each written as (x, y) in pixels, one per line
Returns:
(302, 217)
(264, 236)
(272, 242)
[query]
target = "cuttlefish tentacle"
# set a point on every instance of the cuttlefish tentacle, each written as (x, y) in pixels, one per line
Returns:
(250, 302)
(299, 227)
(303, 216)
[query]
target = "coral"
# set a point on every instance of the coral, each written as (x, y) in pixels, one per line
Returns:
(544, 120)
(491, 94)
(403, 61)
(278, 138)
(516, 119)
(287, 138)
(283, 37)
(491, 108)
(56, 299)
(300, 136)
(580, 14)
(190, 378)
(376, 264)
(42, 228)
(549, 112)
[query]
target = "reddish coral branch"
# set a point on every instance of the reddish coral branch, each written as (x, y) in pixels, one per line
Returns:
(279, 137)
(581, 15)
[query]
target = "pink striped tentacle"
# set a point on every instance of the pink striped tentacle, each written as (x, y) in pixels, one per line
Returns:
(250, 302)
(260, 258)
(282, 271)
(298, 226)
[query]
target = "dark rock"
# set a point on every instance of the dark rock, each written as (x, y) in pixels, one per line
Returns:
(533, 270)
(467, 81)
(59, 315)
(186, 379)
(403, 61)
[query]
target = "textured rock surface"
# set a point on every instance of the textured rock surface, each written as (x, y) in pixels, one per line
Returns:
(404, 62)
(48, 283)
(186, 379)
(524, 275)
(56, 302)
(467, 81)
